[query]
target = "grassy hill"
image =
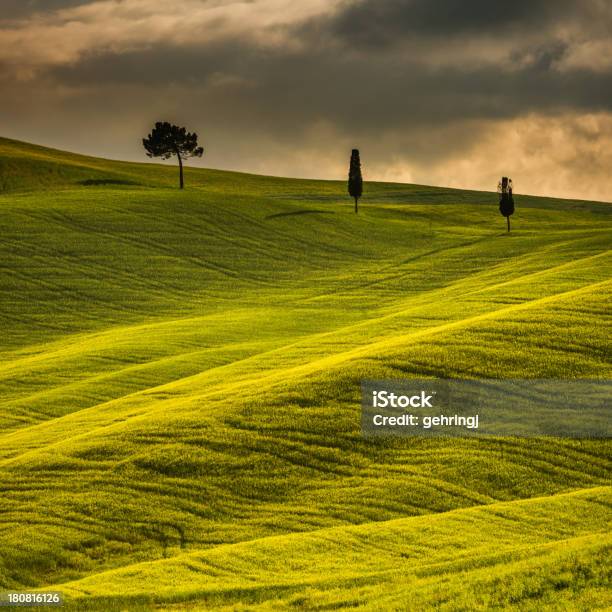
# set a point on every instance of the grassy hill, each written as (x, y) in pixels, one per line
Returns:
(179, 390)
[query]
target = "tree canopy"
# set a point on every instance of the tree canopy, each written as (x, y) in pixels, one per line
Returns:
(166, 140)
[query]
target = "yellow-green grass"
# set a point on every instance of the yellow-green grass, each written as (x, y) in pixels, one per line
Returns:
(540, 551)
(179, 373)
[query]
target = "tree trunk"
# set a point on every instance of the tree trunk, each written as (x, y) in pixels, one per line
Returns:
(508, 219)
(356, 206)
(180, 169)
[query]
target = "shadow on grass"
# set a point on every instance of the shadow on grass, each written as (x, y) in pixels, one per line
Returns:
(299, 212)
(106, 181)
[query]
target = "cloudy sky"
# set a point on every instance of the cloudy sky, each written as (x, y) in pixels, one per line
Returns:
(451, 92)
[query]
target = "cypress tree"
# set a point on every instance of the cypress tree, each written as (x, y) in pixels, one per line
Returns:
(355, 181)
(506, 201)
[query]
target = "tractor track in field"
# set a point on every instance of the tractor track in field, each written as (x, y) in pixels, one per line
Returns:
(298, 370)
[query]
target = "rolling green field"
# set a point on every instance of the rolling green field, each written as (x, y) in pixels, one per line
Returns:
(180, 391)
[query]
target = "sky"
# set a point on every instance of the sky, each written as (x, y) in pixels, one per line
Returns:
(452, 92)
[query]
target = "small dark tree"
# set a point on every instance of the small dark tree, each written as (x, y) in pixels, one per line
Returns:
(355, 182)
(506, 201)
(166, 140)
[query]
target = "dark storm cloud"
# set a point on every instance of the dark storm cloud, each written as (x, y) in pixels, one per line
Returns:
(161, 65)
(299, 86)
(382, 22)
(513, 64)
(20, 9)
